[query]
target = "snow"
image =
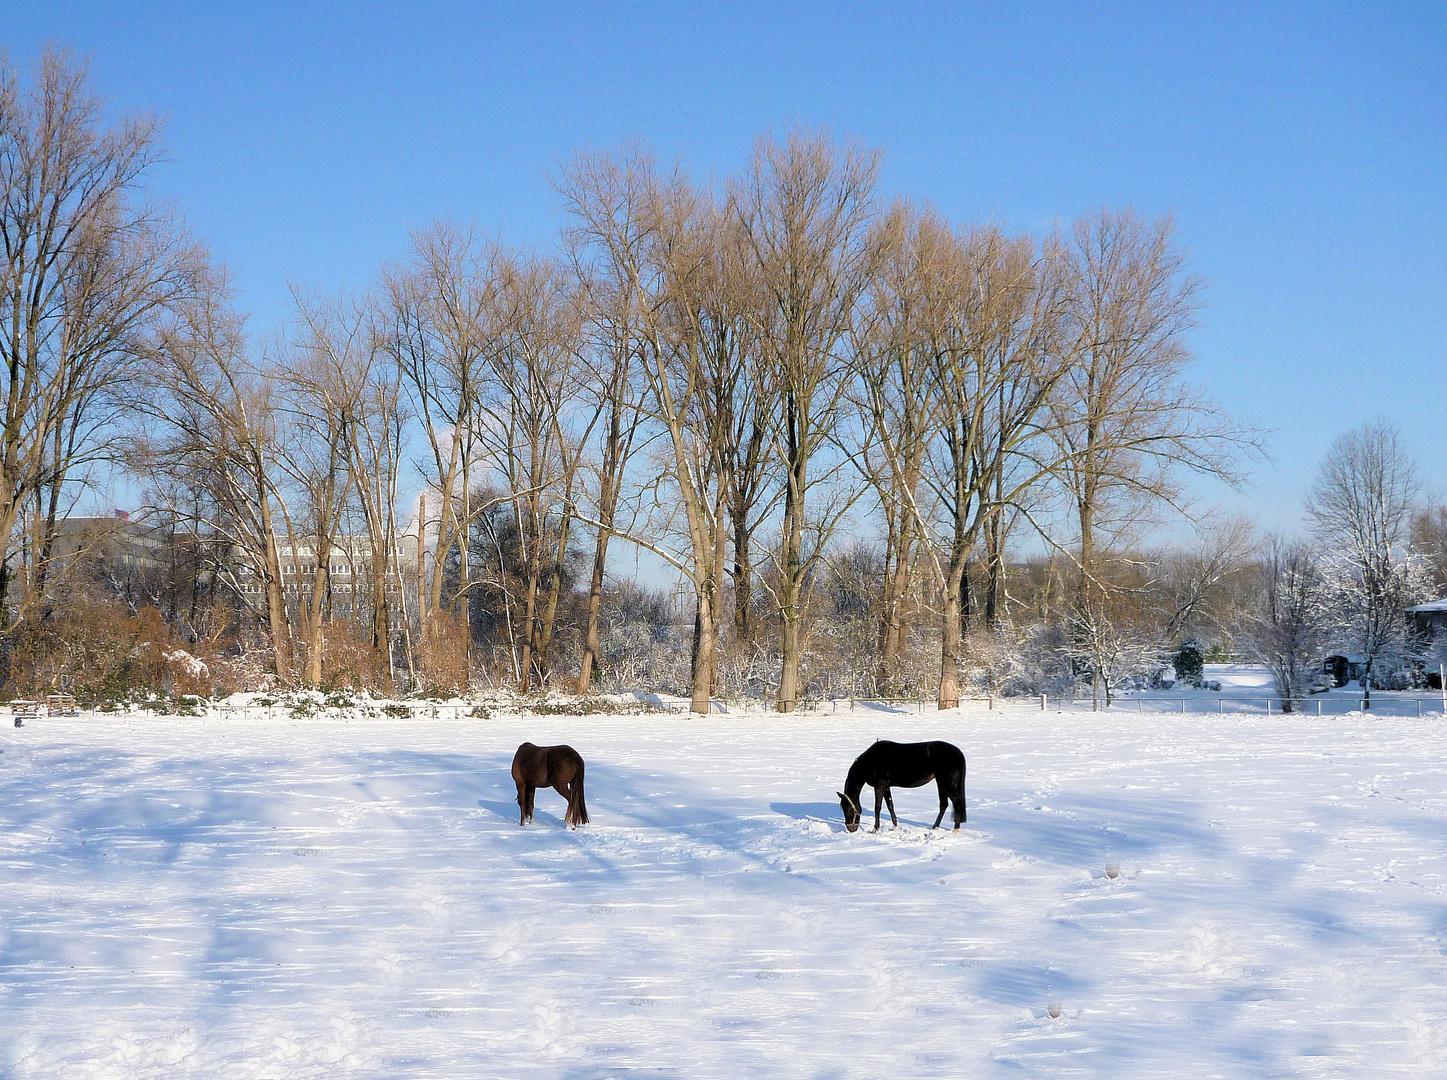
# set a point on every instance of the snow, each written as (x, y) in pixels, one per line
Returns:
(1235, 678)
(260, 896)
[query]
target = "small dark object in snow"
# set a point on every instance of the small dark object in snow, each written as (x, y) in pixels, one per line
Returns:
(19, 722)
(1112, 870)
(1053, 1008)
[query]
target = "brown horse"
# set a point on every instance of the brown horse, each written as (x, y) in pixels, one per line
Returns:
(558, 767)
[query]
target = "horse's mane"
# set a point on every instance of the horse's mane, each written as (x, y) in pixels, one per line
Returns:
(854, 779)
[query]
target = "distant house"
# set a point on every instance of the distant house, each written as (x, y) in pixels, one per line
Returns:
(1430, 620)
(1427, 621)
(1344, 668)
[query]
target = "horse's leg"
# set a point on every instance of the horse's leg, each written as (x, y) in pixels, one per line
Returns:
(522, 803)
(944, 802)
(566, 791)
(532, 797)
(889, 802)
(878, 802)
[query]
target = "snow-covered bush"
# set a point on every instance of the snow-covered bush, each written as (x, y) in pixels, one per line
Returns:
(1396, 678)
(640, 647)
(1189, 663)
(1011, 661)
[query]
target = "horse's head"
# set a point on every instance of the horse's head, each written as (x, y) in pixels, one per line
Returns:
(851, 811)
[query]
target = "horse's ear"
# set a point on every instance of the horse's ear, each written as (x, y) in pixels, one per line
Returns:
(841, 794)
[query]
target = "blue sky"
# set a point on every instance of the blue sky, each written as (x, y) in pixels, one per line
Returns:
(1303, 149)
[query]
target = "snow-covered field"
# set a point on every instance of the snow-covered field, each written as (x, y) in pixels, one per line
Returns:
(282, 898)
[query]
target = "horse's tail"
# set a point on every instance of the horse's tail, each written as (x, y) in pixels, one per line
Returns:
(580, 808)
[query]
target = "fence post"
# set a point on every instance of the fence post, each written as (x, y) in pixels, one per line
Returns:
(1183, 706)
(1042, 702)
(1220, 705)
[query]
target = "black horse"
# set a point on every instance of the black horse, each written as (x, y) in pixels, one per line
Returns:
(890, 764)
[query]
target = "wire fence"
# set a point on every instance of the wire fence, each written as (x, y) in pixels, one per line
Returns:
(1324, 705)
(1386, 704)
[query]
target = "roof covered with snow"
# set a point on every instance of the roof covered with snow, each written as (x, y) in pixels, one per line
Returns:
(1435, 605)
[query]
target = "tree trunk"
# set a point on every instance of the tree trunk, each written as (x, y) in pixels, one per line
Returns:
(275, 601)
(951, 639)
(525, 675)
(464, 550)
(312, 674)
(421, 561)
(994, 569)
(381, 615)
(703, 653)
(544, 635)
(793, 560)
(595, 604)
(789, 643)
(892, 624)
(743, 577)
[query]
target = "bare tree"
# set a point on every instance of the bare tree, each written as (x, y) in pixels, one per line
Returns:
(437, 308)
(1361, 503)
(652, 234)
(1190, 584)
(612, 330)
(326, 368)
(804, 208)
(740, 406)
(377, 429)
(523, 426)
(1126, 422)
(991, 328)
(893, 388)
(88, 269)
(1292, 625)
(211, 427)
(1429, 541)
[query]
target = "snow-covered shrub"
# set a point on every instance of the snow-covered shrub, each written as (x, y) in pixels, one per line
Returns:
(1013, 661)
(184, 674)
(1397, 678)
(1190, 665)
(640, 647)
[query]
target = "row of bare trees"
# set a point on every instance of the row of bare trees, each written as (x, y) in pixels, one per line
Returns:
(808, 358)
(731, 375)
